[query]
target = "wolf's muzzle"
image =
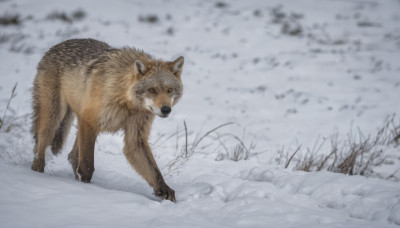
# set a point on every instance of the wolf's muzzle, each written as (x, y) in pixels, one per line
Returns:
(165, 110)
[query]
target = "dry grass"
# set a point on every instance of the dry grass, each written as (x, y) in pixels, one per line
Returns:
(356, 155)
(13, 94)
(151, 19)
(238, 150)
(187, 145)
(394, 131)
(69, 18)
(10, 19)
(290, 22)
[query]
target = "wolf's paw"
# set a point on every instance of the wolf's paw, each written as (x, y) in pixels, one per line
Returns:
(38, 165)
(84, 174)
(165, 192)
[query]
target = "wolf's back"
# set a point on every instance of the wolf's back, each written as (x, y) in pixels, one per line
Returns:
(73, 53)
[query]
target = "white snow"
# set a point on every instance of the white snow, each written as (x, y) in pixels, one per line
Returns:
(241, 66)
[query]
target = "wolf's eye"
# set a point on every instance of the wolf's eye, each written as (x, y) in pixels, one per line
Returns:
(152, 90)
(169, 90)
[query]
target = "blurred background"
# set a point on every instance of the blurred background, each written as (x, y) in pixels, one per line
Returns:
(286, 73)
(273, 91)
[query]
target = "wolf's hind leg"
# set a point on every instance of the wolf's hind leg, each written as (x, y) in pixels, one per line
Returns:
(73, 158)
(39, 160)
(86, 139)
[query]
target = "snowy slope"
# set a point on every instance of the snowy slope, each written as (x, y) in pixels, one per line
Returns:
(259, 197)
(285, 72)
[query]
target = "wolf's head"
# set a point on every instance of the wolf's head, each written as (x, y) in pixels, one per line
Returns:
(159, 86)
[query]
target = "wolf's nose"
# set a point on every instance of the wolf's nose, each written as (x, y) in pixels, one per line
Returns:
(165, 110)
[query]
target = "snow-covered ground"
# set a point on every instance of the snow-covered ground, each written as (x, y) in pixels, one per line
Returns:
(287, 73)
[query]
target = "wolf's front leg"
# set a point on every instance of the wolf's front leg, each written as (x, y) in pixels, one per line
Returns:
(139, 155)
(163, 191)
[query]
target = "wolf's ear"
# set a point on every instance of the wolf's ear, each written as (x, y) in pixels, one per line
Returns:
(139, 67)
(177, 66)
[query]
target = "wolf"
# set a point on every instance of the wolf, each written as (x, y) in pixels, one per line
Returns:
(107, 89)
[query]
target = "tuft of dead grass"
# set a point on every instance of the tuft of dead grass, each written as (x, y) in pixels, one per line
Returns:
(239, 150)
(151, 19)
(210, 140)
(10, 19)
(69, 18)
(13, 94)
(290, 22)
(356, 155)
(189, 148)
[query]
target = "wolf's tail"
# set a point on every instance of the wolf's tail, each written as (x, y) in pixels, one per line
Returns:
(52, 116)
(62, 132)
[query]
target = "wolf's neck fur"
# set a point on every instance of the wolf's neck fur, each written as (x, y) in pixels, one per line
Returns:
(117, 104)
